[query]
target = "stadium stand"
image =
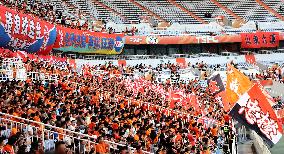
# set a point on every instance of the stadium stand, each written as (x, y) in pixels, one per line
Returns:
(130, 10)
(200, 8)
(141, 104)
(168, 11)
(124, 11)
(57, 76)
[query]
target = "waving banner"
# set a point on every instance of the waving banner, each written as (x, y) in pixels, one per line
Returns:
(254, 111)
(88, 42)
(237, 84)
(260, 39)
(24, 32)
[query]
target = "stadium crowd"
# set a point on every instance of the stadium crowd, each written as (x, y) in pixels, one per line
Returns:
(106, 109)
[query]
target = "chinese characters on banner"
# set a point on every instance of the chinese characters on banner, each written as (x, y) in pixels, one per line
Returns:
(260, 39)
(24, 32)
(254, 111)
(85, 42)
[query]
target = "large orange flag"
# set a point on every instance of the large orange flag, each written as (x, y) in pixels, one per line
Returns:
(237, 84)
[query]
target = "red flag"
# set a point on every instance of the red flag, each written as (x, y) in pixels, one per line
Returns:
(181, 62)
(221, 98)
(121, 63)
(260, 39)
(174, 97)
(194, 102)
(72, 63)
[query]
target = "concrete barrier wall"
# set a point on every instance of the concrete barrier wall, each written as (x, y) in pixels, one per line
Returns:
(276, 57)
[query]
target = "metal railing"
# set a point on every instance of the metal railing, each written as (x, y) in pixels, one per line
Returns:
(22, 75)
(11, 63)
(48, 135)
(126, 57)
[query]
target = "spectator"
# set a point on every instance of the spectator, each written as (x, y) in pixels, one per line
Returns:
(60, 148)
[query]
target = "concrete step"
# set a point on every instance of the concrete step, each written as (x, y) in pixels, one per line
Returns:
(245, 148)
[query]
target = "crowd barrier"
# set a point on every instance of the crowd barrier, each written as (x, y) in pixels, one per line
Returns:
(22, 75)
(154, 61)
(127, 57)
(48, 135)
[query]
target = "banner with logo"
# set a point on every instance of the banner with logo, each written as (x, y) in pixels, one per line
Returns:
(88, 42)
(24, 32)
(250, 59)
(260, 39)
(186, 39)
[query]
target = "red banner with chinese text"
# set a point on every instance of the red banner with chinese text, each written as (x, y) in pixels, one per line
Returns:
(24, 32)
(260, 40)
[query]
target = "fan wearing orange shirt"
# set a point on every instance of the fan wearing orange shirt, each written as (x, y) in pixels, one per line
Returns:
(8, 148)
(102, 147)
(214, 132)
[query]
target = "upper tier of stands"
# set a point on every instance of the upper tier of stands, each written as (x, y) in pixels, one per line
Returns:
(249, 10)
(163, 17)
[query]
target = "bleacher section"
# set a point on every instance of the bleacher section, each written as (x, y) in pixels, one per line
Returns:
(275, 5)
(129, 10)
(89, 8)
(168, 11)
(249, 10)
(200, 8)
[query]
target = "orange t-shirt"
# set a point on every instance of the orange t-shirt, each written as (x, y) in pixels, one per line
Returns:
(148, 132)
(36, 118)
(178, 138)
(8, 149)
(136, 137)
(31, 111)
(214, 131)
(115, 126)
(102, 148)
